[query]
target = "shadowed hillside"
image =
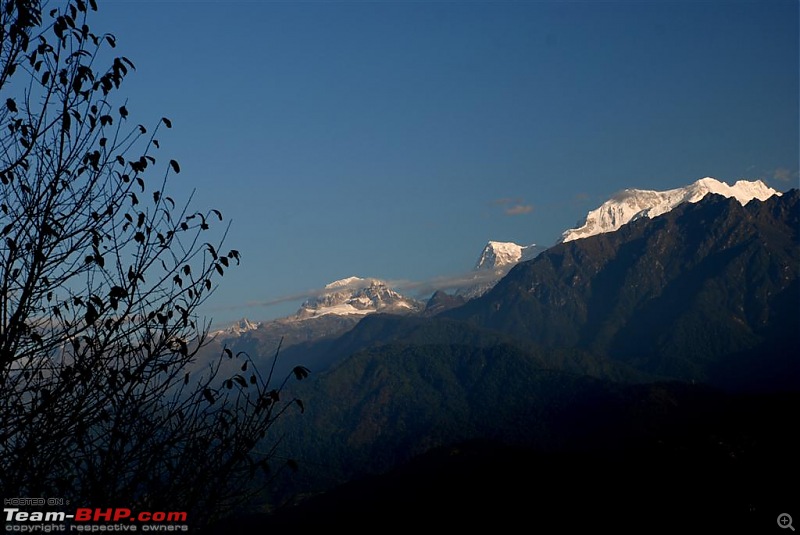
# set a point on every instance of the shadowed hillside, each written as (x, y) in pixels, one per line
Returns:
(676, 296)
(646, 373)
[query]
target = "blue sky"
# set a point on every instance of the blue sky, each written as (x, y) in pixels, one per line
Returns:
(393, 139)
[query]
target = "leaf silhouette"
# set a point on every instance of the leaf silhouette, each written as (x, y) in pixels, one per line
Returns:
(300, 372)
(91, 314)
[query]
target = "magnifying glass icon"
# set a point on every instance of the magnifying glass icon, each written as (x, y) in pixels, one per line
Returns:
(785, 521)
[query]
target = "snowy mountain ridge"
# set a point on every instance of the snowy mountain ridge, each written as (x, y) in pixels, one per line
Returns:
(237, 329)
(632, 204)
(356, 296)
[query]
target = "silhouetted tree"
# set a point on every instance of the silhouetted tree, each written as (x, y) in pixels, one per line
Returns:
(101, 276)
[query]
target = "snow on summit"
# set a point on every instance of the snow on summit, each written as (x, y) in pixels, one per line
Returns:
(238, 328)
(494, 262)
(498, 254)
(348, 282)
(632, 204)
(356, 296)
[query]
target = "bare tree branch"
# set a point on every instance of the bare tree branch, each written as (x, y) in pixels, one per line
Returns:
(101, 277)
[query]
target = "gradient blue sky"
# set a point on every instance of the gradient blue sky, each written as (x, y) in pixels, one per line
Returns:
(393, 139)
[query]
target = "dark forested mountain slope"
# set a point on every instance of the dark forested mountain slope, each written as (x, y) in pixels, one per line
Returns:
(677, 295)
(597, 350)
(671, 457)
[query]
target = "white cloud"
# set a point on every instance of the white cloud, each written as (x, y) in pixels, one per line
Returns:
(519, 209)
(420, 289)
(513, 205)
(783, 174)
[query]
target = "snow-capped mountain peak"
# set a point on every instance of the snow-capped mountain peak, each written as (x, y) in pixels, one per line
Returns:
(240, 327)
(493, 263)
(631, 204)
(356, 296)
(498, 254)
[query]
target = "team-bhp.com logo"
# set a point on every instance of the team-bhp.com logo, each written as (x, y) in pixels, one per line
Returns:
(94, 519)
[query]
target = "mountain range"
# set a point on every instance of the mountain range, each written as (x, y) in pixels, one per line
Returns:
(655, 360)
(351, 298)
(675, 296)
(356, 296)
(589, 311)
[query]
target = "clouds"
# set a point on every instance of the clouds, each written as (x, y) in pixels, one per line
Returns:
(423, 289)
(519, 209)
(783, 174)
(513, 206)
(289, 298)
(418, 289)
